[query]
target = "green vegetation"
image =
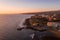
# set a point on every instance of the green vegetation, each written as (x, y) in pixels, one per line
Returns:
(36, 21)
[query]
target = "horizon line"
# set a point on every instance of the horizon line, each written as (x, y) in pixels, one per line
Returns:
(34, 12)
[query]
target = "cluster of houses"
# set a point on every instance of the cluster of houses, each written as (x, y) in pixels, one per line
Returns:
(52, 23)
(52, 20)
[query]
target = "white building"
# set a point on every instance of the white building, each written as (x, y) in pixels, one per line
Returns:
(55, 25)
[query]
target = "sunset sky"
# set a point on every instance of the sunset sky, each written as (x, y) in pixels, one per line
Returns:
(23, 6)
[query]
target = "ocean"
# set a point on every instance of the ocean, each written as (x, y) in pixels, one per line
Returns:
(9, 24)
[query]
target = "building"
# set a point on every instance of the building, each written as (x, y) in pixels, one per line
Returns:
(54, 25)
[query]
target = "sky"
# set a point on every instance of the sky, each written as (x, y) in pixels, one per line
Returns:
(24, 6)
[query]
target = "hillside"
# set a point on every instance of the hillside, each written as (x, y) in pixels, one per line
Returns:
(48, 12)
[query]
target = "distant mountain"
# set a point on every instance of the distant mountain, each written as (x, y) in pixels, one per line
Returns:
(48, 12)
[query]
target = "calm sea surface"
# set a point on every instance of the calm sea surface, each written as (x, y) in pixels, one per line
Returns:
(9, 25)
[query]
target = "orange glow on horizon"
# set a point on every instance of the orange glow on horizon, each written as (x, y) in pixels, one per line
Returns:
(4, 9)
(14, 10)
(12, 7)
